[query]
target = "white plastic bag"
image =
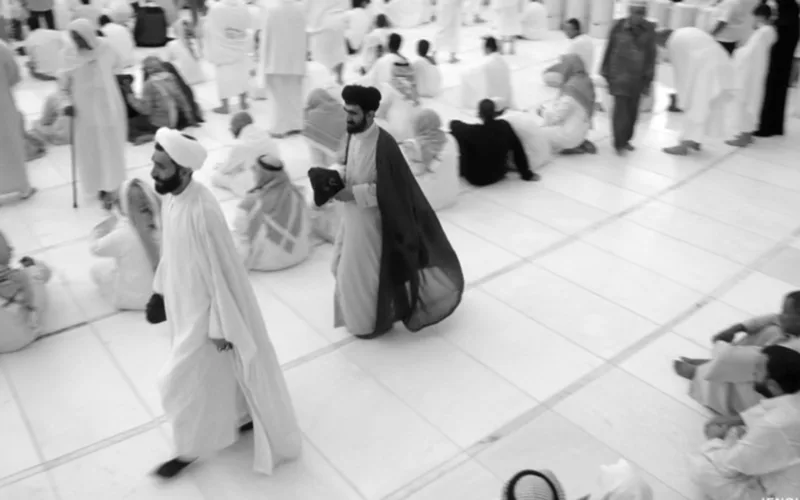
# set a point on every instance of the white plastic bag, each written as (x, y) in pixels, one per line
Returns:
(621, 481)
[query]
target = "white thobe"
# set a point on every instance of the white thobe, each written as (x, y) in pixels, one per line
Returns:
(705, 81)
(449, 16)
(121, 40)
(381, 71)
(205, 393)
(498, 79)
(396, 113)
(358, 25)
(750, 62)
(44, 49)
(236, 172)
(326, 31)
(228, 48)
(429, 77)
(534, 21)
(282, 61)
(508, 17)
(374, 39)
(583, 47)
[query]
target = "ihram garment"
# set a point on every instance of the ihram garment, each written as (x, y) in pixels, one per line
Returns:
(750, 63)
(392, 260)
(283, 54)
(13, 176)
(89, 82)
(235, 172)
(228, 47)
(326, 31)
(449, 16)
(705, 80)
(23, 303)
(207, 295)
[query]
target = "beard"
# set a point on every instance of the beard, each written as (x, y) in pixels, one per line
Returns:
(357, 128)
(762, 389)
(168, 185)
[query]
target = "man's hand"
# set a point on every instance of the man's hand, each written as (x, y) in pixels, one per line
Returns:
(726, 335)
(716, 431)
(222, 345)
(69, 111)
(345, 195)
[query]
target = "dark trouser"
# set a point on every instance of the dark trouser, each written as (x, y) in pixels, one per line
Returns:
(624, 118)
(33, 20)
(728, 46)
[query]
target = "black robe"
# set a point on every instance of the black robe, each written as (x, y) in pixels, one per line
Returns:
(780, 69)
(485, 149)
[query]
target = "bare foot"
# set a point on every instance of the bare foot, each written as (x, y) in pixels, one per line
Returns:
(684, 369)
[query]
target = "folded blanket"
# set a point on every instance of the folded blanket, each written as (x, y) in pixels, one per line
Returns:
(325, 183)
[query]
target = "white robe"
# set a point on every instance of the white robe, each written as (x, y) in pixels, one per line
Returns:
(705, 81)
(429, 77)
(326, 31)
(407, 14)
(206, 394)
(750, 62)
(187, 65)
(44, 49)
(449, 16)
(228, 47)
(381, 71)
(536, 144)
(508, 17)
(583, 47)
(358, 25)
(121, 40)
(439, 181)
(236, 173)
(396, 113)
(534, 21)
(488, 79)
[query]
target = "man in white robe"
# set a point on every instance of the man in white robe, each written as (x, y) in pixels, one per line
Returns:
(282, 61)
(508, 23)
(705, 81)
(534, 21)
(228, 49)
(750, 62)
(448, 16)
(327, 23)
(251, 142)
(381, 72)
(580, 44)
(121, 39)
(222, 376)
(44, 47)
(490, 79)
(426, 72)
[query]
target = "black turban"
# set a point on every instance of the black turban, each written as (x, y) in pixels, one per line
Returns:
(366, 98)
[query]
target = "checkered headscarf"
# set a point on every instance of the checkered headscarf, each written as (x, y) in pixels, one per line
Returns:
(534, 485)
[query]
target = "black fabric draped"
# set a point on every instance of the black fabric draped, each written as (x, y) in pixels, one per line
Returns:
(421, 282)
(186, 90)
(780, 68)
(485, 150)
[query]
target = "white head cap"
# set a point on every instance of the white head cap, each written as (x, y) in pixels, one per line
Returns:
(184, 150)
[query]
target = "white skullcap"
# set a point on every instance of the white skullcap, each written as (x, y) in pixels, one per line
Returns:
(182, 150)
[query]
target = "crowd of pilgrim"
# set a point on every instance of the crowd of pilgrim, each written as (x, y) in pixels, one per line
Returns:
(382, 165)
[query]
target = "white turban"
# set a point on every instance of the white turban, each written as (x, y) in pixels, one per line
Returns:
(185, 152)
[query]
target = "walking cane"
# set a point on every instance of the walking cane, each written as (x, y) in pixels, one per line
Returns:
(72, 160)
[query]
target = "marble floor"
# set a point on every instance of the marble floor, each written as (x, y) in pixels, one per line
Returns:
(581, 289)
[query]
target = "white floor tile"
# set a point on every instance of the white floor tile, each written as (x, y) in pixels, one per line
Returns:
(590, 191)
(365, 432)
(758, 294)
(516, 347)
(20, 449)
(479, 258)
(606, 168)
(589, 320)
(469, 481)
(708, 321)
(37, 487)
(784, 266)
(605, 408)
(463, 398)
(72, 392)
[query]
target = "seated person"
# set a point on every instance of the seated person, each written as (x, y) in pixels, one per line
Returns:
(43, 48)
(251, 142)
(85, 9)
(375, 43)
(120, 39)
(53, 125)
(432, 154)
(358, 25)
(725, 382)
(620, 481)
(383, 69)
(528, 128)
(490, 78)
(534, 21)
(197, 113)
(757, 455)
(23, 299)
(184, 53)
(580, 45)
(408, 14)
(271, 225)
(400, 102)
(485, 148)
(567, 119)
(130, 243)
(162, 104)
(325, 127)
(429, 76)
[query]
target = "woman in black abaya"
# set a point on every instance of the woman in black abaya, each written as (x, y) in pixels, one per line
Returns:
(780, 69)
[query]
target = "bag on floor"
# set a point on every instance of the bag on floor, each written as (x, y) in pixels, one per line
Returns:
(621, 482)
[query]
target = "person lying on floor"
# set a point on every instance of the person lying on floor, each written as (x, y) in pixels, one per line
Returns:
(485, 148)
(129, 244)
(757, 455)
(53, 126)
(23, 299)
(432, 155)
(162, 104)
(567, 119)
(428, 74)
(724, 383)
(271, 226)
(251, 142)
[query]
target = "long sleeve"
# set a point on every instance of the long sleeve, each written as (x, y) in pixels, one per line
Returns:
(755, 325)
(520, 158)
(763, 450)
